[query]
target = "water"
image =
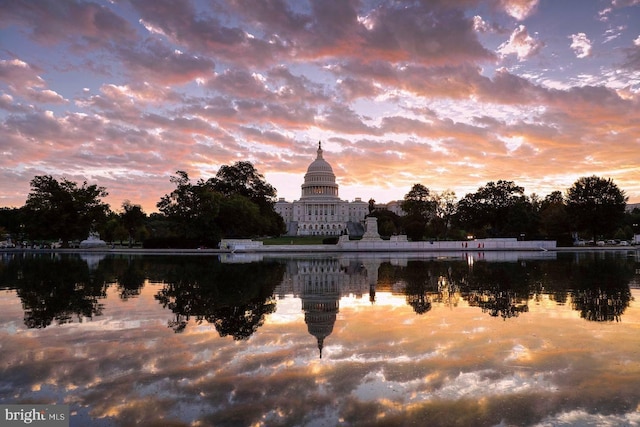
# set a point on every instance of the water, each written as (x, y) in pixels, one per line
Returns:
(484, 339)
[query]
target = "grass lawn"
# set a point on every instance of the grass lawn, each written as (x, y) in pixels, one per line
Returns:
(297, 240)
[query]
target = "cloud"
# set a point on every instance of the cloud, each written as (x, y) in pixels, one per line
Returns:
(521, 44)
(433, 34)
(480, 25)
(79, 23)
(632, 56)
(417, 90)
(203, 33)
(580, 45)
(616, 4)
(158, 63)
(625, 3)
(613, 33)
(519, 9)
(46, 96)
(19, 74)
(22, 79)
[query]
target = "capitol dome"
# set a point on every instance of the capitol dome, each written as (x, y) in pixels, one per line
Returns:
(320, 164)
(319, 181)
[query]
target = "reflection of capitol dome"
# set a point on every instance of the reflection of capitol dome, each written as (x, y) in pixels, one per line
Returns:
(320, 312)
(320, 283)
(320, 294)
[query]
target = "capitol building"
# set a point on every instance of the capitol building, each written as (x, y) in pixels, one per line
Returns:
(320, 212)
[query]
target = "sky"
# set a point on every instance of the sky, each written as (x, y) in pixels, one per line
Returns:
(447, 94)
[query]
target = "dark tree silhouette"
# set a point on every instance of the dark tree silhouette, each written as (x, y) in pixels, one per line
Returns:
(55, 289)
(61, 209)
(199, 288)
(596, 205)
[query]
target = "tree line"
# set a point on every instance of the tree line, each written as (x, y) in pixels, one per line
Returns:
(238, 202)
(592, 208)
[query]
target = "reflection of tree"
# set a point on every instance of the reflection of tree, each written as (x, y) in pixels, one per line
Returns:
(504, 304)
(601, 305)
(601, 286)
(242, 321)
(234, 297)
(421, 283)
(128, 273)
(502, 289)
(426, 281)
(53, 287)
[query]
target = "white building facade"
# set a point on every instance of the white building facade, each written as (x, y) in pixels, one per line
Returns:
(320, 212)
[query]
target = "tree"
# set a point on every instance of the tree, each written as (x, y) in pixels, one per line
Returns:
(132, 218)
(420, 207)
(240, 217)
(596, 205)
(445, 210)
(492, 207)
(419, 202)
(554, 221)
(192, 208)
(236, 202)
(60, 209)
(242, 179)
(10, 220)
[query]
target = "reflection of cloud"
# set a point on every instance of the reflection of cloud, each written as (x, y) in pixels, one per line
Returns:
(518, 353)
(581, 417)
(127, 367)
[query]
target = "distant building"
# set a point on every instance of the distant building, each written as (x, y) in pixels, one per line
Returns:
(631, 206)
(394, 206)
(320, 211)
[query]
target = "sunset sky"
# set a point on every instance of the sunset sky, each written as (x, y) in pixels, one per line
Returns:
(449, 94)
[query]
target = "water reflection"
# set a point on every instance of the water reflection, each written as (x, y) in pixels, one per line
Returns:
(601, 291)
(320, 284)
(232, 297)
(53, 288)
(343, 340)
(235, 296)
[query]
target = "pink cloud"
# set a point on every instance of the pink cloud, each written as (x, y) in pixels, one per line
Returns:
(23, 80)
(581, 45)
(158, 63)
(433, 34)
(521, 44)
(632, 56)
(18, 74)
(51, 22)
(519, 9)
(204, 34)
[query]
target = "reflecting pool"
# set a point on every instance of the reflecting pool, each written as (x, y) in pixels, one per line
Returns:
(482, 339)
